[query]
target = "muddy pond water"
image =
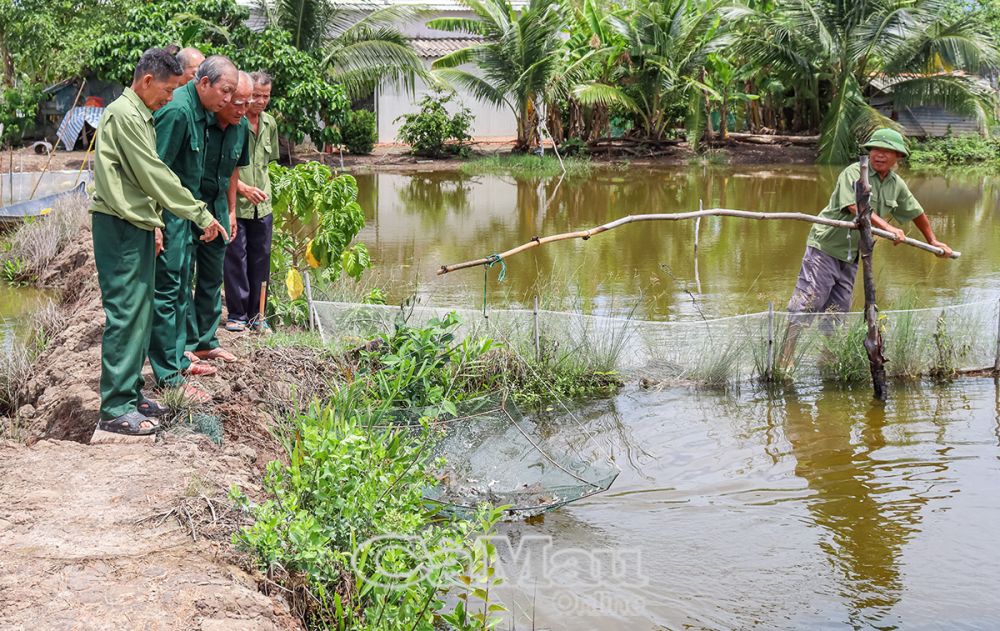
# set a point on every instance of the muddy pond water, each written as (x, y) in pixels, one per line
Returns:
(417, 222)
(812, 508)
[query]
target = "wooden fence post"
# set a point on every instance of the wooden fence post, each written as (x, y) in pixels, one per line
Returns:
(873, 340)
(770, 343)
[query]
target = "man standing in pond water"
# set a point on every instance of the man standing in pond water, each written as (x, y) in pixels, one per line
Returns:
(830, 264)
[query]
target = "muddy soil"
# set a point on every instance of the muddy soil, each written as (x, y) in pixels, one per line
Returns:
(87, 536)
(89, 541)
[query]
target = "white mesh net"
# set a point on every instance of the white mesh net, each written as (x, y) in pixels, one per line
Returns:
(933, 341)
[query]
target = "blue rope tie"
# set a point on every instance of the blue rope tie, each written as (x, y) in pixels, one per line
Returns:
(492, 260)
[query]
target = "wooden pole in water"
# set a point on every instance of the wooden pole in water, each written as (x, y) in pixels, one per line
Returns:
(996, 361)
(770, 342)
(873, 341)
(538, 346)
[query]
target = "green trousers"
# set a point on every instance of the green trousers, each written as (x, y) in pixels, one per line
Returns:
(205, 313)
(171, 302)
(125, 257)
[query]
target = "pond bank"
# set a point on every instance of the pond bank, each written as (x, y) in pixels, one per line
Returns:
(397, 159)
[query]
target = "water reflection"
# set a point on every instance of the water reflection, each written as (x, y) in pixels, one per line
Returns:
(424, 220)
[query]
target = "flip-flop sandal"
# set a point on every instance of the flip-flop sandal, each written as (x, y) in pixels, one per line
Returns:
(236, 326)
(129, 424)
(216, 353)
(200, 369)
(151, 408)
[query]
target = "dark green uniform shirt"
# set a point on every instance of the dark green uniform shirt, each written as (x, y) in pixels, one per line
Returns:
(891, 199)
(131, 182)
(263, 151)
(180, 135)
(225, 150)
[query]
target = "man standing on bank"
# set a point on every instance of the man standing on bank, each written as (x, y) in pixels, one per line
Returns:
(248, 257)
(830, 264)
(180, 142)
(226, 150)
(131, 184)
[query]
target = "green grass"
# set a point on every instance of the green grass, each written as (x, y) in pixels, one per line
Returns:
(527, 166)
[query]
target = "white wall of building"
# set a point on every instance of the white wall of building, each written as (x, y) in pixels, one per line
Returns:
(487, 122)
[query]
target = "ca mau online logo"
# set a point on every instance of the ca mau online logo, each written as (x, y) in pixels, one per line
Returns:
(395, 561)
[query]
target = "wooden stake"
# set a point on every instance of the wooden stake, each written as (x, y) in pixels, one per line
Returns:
(770, 342)
(263, 301)
(873, 341)
(712, 212)
(996, 361)
(538, 346)
(309, 300)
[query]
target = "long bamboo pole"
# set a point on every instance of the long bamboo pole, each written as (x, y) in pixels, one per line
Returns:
(711, 212)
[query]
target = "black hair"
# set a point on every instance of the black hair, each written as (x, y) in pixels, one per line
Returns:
(158, 62)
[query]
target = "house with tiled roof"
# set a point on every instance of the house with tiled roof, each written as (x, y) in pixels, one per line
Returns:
(391, 102)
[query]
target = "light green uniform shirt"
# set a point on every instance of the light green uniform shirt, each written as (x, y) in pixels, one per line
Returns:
(891, 199)
(131, 181)
(263, 151)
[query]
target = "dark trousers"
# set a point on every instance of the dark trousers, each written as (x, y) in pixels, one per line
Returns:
(125, 257)
(248, 264)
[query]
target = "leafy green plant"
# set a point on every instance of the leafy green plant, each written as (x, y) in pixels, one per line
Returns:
(316, 216)
(351, 489)
(433, 132)
(14, 271)
(414, 367)
(359, 134)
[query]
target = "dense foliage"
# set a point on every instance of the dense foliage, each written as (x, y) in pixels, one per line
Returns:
(955, 150)
(433, 131)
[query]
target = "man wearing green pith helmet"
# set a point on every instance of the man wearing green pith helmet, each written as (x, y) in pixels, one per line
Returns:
(830, 264)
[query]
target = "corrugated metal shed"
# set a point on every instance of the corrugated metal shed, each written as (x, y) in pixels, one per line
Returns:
(925, 121)
(433, 48)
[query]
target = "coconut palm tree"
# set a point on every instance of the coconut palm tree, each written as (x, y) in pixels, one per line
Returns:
(832, 51)
(360, 48)
(667, 43)
(518, 60)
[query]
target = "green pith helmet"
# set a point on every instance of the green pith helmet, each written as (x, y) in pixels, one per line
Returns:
(886, 138)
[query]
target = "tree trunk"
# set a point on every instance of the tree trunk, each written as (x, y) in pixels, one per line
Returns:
(709, 130)
(873, 341)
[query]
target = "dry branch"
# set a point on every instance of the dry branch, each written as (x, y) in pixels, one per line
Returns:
(711, 212)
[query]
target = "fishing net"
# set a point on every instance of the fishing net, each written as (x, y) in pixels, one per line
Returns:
(495, 454)
(932, 341)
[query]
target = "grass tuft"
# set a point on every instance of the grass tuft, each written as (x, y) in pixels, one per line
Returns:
(527, 166)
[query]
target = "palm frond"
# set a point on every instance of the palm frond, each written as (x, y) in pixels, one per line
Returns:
(476, 86)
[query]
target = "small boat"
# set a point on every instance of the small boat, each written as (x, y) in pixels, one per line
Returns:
(40, 207)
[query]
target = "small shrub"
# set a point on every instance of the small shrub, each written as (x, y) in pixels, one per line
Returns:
(359, 133)
(432, 132)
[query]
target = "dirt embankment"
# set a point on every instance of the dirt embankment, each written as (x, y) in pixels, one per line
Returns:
(136, 536)
(396, 157)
